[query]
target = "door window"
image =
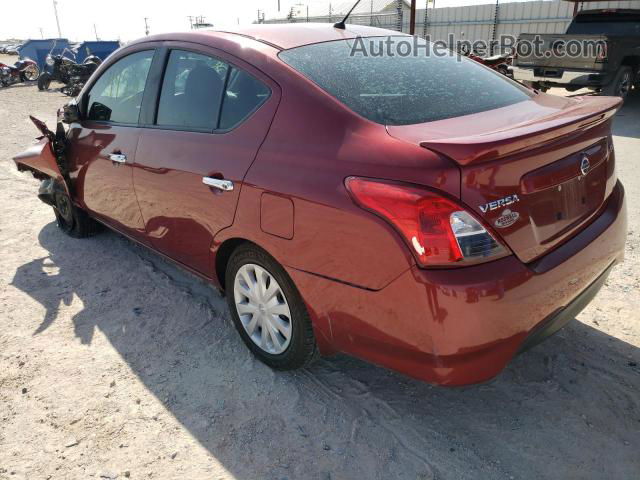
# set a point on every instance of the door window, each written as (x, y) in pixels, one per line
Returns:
(117, 95)
(191, 91)
(243, 95)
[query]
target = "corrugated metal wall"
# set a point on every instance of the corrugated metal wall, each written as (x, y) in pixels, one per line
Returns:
(477, 22)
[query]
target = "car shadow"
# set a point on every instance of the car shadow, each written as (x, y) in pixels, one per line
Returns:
(569, 408)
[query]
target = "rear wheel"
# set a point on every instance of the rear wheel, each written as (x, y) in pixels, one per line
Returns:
(44, 80)
(267, 310)
(621, 84)
(73, 220)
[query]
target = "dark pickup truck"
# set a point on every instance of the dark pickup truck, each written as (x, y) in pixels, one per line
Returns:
(600, 51)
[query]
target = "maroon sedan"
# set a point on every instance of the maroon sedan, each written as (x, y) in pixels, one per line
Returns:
(418, 211)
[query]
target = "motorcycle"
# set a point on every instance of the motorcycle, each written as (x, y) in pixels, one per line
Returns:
(65, 70)
(500, 63)
(22, 71)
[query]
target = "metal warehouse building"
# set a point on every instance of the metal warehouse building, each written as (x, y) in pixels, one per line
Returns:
(477, 22)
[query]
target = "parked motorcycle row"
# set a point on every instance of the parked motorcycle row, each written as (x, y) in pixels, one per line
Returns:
(59, 66)
(22, 71)
(63, 69)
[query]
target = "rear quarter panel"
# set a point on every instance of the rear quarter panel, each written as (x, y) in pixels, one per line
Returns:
(315, 143)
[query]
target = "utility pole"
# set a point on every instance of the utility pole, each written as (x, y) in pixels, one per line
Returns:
(146, 26)
(95, 30)
(190, 17)
(412, 18)
(55, 10)
(41, 32)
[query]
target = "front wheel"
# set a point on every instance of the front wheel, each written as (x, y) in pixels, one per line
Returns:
(30, 73)
(73, 220)
(44, 81)
(267, 310)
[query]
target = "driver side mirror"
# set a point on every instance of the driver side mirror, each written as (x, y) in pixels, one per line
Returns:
(70, 113)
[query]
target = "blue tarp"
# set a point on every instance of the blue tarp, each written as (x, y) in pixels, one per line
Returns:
(37, 50)
(101, 49)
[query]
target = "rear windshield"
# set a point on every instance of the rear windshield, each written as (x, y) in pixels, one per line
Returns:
(610, 25)
(393, 89)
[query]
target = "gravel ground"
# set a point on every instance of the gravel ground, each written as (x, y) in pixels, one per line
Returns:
(114, 363)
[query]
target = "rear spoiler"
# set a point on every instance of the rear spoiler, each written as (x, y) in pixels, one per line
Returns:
(526, 136)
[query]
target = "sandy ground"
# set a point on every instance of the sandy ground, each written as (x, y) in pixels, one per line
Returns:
(114, 363)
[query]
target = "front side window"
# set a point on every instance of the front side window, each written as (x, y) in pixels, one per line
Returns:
(402, 89)
(117, 95)
(191, 91)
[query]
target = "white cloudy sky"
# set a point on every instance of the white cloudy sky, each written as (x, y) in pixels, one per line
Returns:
(124, 19)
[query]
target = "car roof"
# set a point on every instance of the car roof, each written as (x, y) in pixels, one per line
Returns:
(291, 35)
(279, 36)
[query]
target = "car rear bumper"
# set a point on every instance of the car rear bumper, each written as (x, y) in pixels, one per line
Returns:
(560, 76)
(463, 326)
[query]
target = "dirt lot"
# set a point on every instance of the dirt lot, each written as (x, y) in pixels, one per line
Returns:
(114, 363)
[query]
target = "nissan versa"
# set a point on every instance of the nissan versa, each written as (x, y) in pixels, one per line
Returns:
(421, 212)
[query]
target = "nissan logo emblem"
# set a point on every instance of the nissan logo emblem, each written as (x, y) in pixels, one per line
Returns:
(585, 165)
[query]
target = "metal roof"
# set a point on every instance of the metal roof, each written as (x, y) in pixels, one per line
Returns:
(320, 8)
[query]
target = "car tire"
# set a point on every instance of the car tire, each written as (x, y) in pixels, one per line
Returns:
(621, 84)
(301, 348)
(44, 80)
(72, 220)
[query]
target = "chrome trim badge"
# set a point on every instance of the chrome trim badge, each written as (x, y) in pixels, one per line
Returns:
(503, 202)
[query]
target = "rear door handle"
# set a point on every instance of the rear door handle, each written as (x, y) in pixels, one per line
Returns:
(118, 157)
(224, 185)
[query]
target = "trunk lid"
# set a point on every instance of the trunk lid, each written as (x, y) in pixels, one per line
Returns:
(553, 58)
(535, 172)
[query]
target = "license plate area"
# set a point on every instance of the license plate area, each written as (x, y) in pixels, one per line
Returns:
(560, 196)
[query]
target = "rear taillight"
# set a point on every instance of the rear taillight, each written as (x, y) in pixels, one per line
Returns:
(438, 230)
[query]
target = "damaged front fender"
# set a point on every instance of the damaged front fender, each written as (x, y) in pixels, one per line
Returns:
(46, 159)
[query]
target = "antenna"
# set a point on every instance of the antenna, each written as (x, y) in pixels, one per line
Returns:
(340, 24)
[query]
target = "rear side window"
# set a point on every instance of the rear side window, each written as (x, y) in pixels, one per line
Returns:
(117, 95)
(403, 90)
(191, 91)
(243, 95)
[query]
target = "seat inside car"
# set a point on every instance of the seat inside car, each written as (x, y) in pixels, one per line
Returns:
(198, 105)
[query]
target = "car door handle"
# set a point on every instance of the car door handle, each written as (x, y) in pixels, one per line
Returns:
(118, 157)
(224, 185)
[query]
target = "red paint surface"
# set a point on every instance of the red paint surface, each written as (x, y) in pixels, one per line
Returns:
(359, 279)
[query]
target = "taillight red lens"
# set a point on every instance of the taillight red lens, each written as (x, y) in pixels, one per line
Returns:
(438, 230)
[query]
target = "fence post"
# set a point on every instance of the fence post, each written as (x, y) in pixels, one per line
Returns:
(399, 15)
(494, 33)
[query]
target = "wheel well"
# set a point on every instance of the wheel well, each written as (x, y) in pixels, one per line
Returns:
(224, 254)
